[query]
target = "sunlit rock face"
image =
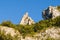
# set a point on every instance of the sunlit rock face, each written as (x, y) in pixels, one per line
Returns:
(50, 12)
(49, 34)
(26, 20)
(9, 31)
(52, 33)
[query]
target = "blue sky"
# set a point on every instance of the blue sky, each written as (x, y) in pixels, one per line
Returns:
(13, 10)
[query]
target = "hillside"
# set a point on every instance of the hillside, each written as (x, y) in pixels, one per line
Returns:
(48, 29)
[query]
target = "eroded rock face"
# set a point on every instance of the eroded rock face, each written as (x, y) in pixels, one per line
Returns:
(9, 31)
(50, 12)
(49, 34)
(26, 20)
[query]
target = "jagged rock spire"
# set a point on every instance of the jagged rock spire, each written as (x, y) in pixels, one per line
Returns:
(26, 13)
(26, 20)
(50, 12)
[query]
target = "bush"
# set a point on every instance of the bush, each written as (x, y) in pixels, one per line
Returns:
(58, 7)
(8, 24)
(31, 29)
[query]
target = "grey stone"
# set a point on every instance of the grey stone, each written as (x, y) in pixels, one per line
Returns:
(50, 12)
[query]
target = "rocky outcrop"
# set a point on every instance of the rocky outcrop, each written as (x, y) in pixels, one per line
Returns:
(49, 34)
(26, 20)
(7, 31)
(50, 12)
(52, 33)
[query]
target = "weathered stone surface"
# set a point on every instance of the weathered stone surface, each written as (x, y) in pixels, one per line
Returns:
(50, 12)
(53, 33)
(49, 34)
(26, 20)
(9, 31)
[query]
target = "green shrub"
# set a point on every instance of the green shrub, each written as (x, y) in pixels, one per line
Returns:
(58, 7)
(31, 29)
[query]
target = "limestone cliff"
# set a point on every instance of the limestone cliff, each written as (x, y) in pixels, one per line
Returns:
(26, 20)
(50, 12)
(49, 28)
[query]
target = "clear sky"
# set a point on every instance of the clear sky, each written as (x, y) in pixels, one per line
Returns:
(13, 10)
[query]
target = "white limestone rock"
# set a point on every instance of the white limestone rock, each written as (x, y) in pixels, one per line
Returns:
(9, 31)
(50, 12)
(49, 34)
(26, 20)
(53, 33)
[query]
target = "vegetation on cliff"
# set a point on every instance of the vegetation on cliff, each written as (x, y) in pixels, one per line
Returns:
(58, 7)
(30, 29)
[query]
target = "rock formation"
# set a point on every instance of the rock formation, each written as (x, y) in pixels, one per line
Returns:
(50, 12)
(7, 31)
(49, 34)
(26, 20)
